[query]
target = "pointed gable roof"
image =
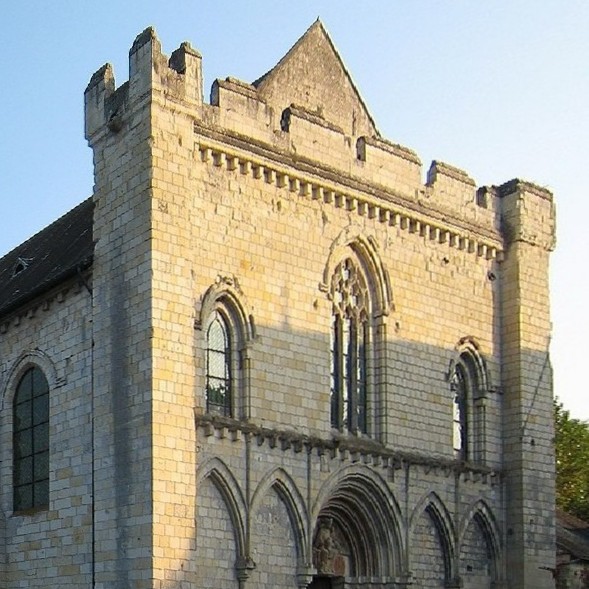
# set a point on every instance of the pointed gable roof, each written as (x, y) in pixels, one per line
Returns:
(312, 75)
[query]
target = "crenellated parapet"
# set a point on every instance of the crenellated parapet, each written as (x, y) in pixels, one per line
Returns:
(299, 136)
(315, 131)
(528, 214)
(151, 73)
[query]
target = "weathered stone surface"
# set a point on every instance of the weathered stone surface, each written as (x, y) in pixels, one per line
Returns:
(247, 207)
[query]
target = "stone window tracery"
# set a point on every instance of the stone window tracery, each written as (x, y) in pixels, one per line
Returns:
(349, 347)
(31, 442)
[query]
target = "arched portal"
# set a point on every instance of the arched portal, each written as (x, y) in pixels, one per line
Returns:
(356, 534)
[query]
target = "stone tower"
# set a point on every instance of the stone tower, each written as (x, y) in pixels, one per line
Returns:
(527, 214)
(142, 137)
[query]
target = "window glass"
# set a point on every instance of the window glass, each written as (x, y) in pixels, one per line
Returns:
(460, 412)
(31, 441)
(218, 378)
(349, 339)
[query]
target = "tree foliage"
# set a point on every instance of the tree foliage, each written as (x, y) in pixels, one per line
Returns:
(572, 462)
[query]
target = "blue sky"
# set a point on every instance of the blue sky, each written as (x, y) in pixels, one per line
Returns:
(499, 88)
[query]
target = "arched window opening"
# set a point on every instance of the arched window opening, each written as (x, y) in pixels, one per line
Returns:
(228, 331)
(218, 370)
(460, 431)
(31, 442)
(349, 347)
(468, 385)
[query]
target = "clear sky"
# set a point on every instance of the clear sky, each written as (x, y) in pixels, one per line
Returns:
(499, 88)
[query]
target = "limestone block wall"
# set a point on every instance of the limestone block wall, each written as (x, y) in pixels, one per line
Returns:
(53, 545)
(527, 380)
(251, 202)
(143, 321)
(276, 243)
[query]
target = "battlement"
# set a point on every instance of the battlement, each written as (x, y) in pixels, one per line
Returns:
(108, 108)
(528, 214)
(292, 112)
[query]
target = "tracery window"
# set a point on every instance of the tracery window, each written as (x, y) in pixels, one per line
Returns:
(218, 370)
(349, 348)
(31, 441)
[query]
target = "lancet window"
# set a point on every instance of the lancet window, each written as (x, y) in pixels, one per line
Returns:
(468, 384)
(219, 382)
(350, 336)
(31, 442)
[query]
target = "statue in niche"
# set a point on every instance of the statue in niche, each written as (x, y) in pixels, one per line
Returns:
(324, 549)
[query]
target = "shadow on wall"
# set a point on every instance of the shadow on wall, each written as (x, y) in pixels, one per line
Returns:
(279, 503)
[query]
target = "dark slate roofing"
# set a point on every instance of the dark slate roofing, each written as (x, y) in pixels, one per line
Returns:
(572, 535)
(54, 254)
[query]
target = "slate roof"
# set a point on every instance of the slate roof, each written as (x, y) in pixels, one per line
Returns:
(572, 535)
(51, 256)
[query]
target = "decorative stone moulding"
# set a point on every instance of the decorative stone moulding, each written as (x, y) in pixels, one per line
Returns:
(345, 449)
(31, 309)
(350, 200)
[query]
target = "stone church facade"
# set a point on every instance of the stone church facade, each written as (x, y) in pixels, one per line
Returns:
(266, 354)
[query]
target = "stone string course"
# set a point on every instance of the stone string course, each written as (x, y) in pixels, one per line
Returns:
(315, 188)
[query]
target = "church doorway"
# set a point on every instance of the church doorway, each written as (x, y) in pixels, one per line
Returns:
(323, 582)
(355, 537)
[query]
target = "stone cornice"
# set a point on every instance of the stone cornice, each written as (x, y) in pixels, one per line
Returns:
(344, 447)
(311, 180)
(44, 302)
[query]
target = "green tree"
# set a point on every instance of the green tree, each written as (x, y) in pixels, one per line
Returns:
(571, 442)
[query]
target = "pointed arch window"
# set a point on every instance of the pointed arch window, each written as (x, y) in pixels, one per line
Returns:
(349, 348)
(219, 385)
(468, 385)
(228, 331)
(460, 425)
(31, 442)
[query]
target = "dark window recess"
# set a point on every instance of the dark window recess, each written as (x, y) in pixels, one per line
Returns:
(460, 414)
(31, 442)
(21, 265)
(349, 343)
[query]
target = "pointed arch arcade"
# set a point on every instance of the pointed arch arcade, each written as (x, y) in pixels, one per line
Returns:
(480, 521)
(434, 509)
